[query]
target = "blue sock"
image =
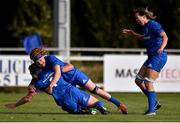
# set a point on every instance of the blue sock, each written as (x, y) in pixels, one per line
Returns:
(99, 103)
(145, 92)
(151, 100)
(115, 101)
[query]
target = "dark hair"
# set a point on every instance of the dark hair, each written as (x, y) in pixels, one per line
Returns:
(144, 11)
(34, 69)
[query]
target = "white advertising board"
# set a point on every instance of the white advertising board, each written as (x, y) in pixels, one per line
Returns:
(14, 70)
(120, 72)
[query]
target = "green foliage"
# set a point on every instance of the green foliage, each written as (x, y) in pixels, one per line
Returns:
(176, 29)
(93, 69)
(98, 23)
(101, 22)
(94, 23)
(33, 16)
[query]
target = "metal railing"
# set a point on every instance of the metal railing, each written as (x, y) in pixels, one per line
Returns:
(141, 51)
(84, 49)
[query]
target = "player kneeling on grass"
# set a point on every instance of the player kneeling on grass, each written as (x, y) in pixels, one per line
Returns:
(70, 98)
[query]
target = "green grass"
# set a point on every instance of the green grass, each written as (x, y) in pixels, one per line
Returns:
(43, 108)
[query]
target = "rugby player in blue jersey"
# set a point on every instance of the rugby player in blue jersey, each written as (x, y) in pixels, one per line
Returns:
(155, 40)
(71, 75)
(70, 98)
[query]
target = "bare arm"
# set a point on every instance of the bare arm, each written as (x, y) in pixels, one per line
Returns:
(23, 100)
(56, 77)
(129, 32)
(67, 67)
(32, 83)
(164, 42)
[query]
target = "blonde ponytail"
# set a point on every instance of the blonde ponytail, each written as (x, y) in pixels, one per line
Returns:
(144, 11)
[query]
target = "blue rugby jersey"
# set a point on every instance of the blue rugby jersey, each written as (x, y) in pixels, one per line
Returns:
(152, 37)
(73, 76)
(44, 79)
(52, 60)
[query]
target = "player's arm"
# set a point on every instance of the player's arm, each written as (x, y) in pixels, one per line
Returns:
(57, 75)
(23, 100)
(164, 42)
(33, 80)
(129, 32)
(67, 67)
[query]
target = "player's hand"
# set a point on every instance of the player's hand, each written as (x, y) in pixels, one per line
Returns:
(160, 51)
(10, 105)
(128, 32)
(49, 89)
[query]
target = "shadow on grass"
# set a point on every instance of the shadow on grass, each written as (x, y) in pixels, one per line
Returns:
(35, 113)
(40, 113)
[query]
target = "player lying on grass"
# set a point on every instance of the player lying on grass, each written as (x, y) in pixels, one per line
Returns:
(70, 98)
(72, 75)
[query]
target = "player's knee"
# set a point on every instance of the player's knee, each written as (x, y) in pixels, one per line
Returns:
(94, 91)
(146, 79)
(139, 79)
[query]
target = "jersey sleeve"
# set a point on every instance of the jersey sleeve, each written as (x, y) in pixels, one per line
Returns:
(55, 61)
(157, 28)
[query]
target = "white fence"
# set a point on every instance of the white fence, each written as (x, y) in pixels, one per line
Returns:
(11, 63)
(91, 58)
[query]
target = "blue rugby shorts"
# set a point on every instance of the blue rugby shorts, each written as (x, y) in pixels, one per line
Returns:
(156, 62)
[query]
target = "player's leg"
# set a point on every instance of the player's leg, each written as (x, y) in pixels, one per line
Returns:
(154, 66)
(81, 79)
(151, 76)
(99, 105)
(85, 82)
(75, 101)
(140, 83)
(91, 86)
(84, 99)
(139, 80)
(70, 107)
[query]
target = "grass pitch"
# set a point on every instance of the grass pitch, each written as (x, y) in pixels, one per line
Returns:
(44, 109)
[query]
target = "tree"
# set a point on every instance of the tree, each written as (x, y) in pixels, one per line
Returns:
(98, 23)
(33, 16)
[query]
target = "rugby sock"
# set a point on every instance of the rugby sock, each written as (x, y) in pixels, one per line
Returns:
(115, 101)
(99, 103)
(151, 100)
(145, 92)
(100, 106)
